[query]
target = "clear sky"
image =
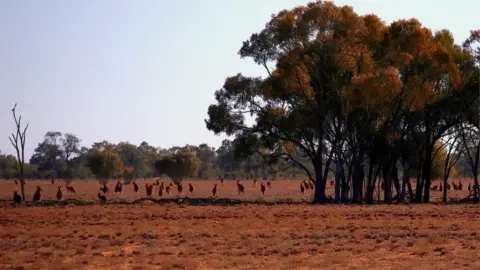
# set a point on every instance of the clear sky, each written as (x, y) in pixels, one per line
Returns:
(146, 70)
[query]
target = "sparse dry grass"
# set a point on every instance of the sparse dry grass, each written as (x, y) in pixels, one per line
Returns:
(171, 236)
(149, 236)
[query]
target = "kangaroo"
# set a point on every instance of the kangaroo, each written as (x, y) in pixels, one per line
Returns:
(17, 198)
(135, 187)
(455, 187)
(104, 189)
(192, 190)
(149, 189)
(240, 188)
(70, 189)
(59, 193)
(118, 187)
(102, 198)
(179, 188)
(307, 186)
(37, 196)
(214, 191)
(312, 186)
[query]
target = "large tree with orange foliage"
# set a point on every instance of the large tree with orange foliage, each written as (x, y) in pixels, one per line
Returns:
(339, 82)
(318, 49)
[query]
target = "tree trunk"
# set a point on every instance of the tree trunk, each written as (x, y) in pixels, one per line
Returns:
(370, 184)
(348, 181)
(21, 163)
(427, 173)
(344, 184)
(396, 181)
(420, 181)
(446, 174)
(476, 188)
(387, 178)
(362, 184)
(327, 165)
(22, 184)
(410, 190)
(338, 172)
(358, 176)
(419, 190)
(419, 177)
(356, 181)
(445, 189)
(319, 196)
(361, 175)
(375, 179)
(401, 199)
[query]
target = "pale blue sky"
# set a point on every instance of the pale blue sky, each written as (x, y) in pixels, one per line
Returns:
(146, 70)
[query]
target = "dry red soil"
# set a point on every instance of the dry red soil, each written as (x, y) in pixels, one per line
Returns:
(246, 236)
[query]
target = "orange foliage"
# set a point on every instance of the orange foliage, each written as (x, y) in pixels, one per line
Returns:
(376, 88)
(377, 55)
(330, 60)
(289, 148)
(276, 112)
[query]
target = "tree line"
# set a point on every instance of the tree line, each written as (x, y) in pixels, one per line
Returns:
(61, 156)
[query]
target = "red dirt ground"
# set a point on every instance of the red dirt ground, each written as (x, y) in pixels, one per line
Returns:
(246, 236)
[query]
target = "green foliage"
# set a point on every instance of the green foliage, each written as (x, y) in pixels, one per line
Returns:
(106, 164)
(8, 166)
(61, 156)
(133, 157)
(181, 164)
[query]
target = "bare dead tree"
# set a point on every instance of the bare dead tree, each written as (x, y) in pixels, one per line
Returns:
(18, 141)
